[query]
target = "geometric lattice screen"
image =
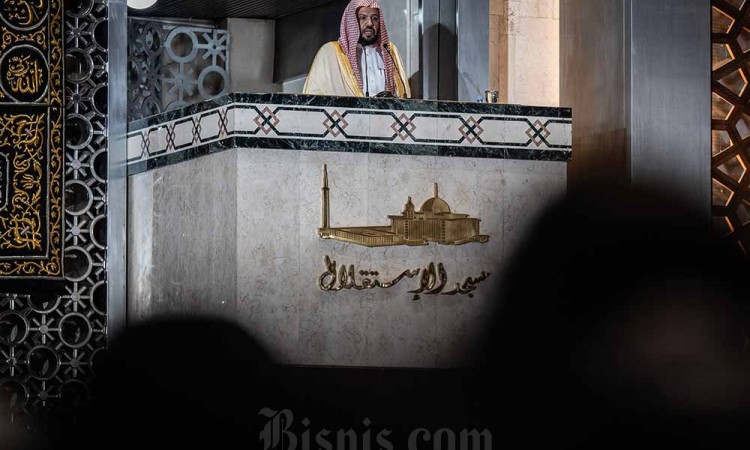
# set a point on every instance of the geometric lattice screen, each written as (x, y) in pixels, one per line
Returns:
(50, 342)
(730, 123)
(172, 65)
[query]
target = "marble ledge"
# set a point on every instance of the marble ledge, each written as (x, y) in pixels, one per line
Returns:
(351, 125)
(169, 159)
(354, 102)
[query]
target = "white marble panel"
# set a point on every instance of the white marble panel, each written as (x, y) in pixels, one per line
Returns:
(506, 131)
(466, 127)
(448, 129)
(382, 125)
(323, 323)
(268, 247)
(561, 134)
(231, 118)
(194, 253)
(317, 123)
(289, 122)
(140, 264)
(183, 133)
(135, 146)
(402, 331)
(356, 124)
(391, 179)
(426, 127)
(209, 125)
(308, 122)
(245, 119)
(235, 234)
(530, 186)
(157, 140)
(388, 130)
(491, 187)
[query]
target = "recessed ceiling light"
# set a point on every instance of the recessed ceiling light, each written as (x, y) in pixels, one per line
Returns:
(141, 4)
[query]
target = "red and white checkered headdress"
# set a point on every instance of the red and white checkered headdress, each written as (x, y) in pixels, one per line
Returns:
(349, 39)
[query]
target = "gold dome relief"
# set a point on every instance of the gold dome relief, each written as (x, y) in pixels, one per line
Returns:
(434, 223)
(435, 205)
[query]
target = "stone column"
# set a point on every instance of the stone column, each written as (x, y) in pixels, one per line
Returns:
(525, 51)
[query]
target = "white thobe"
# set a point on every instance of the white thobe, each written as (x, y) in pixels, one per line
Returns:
(373, 71)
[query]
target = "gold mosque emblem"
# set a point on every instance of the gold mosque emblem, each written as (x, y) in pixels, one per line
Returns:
(434, 222)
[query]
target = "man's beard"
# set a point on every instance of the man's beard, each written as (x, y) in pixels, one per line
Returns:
(364, 41)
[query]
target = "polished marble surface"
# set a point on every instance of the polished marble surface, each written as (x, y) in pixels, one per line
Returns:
(350, 125)
(234, 234)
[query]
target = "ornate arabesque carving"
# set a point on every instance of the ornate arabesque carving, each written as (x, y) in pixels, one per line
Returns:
(31, 131)
(731, 120)
(49, 342)
(173, 64)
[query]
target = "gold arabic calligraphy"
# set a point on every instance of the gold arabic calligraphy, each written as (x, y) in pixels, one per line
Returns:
(25, 75)
(433, 280)
(21, 228)
(344, 279)
(24, 13)
(31, 138)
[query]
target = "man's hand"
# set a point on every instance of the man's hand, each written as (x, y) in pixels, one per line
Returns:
(385, 94)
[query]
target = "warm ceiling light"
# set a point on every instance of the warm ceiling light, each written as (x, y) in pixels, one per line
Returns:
(141, 4)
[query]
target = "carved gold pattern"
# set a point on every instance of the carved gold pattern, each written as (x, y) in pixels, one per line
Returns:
(434, 222)
(10, 37)
(433, 280)
(730, 150)
(23, 13)
(55, 96)
(21, 228)
(32, 138)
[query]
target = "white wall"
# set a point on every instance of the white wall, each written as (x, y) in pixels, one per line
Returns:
(251, 55)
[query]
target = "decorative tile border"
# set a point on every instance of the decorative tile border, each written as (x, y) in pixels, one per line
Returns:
(490, 131)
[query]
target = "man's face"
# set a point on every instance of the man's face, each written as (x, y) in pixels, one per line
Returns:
(369, 24)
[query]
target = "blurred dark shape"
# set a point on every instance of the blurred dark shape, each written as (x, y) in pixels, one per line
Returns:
(622, 323)
(178, 383)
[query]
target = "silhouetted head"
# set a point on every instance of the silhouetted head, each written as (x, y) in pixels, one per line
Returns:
(194, 382)
(620, 316)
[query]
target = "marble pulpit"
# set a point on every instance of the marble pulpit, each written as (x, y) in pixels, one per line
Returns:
(339, 231)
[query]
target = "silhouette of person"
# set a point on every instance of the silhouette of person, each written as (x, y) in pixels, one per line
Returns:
(622, 323)
(179, 383)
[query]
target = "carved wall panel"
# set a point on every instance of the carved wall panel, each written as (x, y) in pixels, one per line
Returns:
(731, 120)
(172, 65)
(49, 341)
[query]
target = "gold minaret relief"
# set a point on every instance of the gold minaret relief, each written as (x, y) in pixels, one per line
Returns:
(434, 222)
(326, 204)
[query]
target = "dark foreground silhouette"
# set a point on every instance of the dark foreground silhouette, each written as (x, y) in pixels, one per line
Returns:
(624, 325)
(621, 324)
